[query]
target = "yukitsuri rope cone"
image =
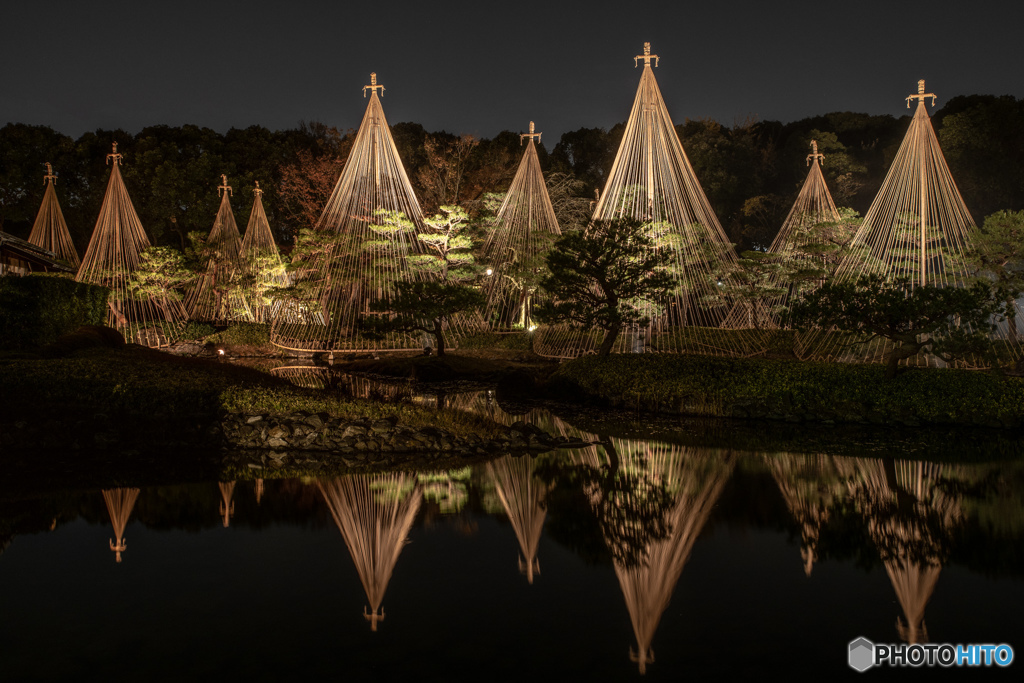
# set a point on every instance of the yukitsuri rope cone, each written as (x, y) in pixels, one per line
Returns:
(695, 480)
(374, 514)
(652, 180)
(261, 261)
(911, 517)
(810, 486)
(522, 495)
(113, 256)
(120, 503)
(227, 505)
(50, 231)
(917, 228)
(813, 207)
(525, 228)
(210, 298)
(362, 258)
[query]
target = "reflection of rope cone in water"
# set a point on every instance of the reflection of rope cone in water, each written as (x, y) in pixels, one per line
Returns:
(120, 503)
(308, 376)
(374, 514)
(910, 517)
(484, 403)
(693, 480)
(810, 485)
(227, 506)
(522, 496)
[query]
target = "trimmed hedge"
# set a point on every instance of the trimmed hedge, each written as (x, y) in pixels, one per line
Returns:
(243, 334)
(796, 391)
(38, 309)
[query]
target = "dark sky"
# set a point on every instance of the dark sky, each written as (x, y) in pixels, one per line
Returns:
(481, 67)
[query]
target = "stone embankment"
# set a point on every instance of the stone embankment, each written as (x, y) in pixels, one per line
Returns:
(278, 440)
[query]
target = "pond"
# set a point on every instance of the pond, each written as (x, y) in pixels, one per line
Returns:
(641, 554)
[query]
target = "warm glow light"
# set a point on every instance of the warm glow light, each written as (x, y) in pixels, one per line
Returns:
(490, 272)
(220, 351)
(532, 328)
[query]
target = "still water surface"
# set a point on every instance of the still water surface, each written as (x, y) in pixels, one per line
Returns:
(630, 557)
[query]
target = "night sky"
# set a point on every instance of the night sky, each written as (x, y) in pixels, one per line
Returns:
(481, 67)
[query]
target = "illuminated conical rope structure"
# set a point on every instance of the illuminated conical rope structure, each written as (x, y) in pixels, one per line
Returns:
(374, 515)
(113, 255)
(261, 260)
(695, 481)
(120, 503)
(652, 181)
(361, 259)
(813, 207)
(522, 495)
(917, 228)
(209, 298)
(227, 505)
(525, 228)
(911, 516)
(50, 231)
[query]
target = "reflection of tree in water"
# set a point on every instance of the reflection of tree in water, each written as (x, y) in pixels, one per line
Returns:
(649, 502)
(259, 489)
(374, 514)
(120, 503)
(911, 517)
(693, 481)
(227, 506)
(522, 496)
(446, 488)
(811, 486)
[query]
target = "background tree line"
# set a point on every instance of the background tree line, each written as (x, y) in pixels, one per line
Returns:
(750, 171)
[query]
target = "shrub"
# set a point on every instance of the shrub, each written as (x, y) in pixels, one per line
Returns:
(38, 309)
(244, 334)
(512, 341)
(194, 330)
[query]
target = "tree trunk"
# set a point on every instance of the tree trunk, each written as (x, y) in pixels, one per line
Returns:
(905, 350)
(121, 320)
(1011, 320)
(439, 337)
(609, 339)
(613, 458)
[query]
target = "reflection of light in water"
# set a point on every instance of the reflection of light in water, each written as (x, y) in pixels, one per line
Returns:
(910, 517)
(120, 503)
(308, 376)
(810, 485)
(374, 514)
(227, 506)
(522, 496)
(694, 480)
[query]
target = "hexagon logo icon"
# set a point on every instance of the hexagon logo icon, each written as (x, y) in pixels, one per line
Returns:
(862, 654)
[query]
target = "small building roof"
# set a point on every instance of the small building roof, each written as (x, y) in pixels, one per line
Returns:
(13, 249)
